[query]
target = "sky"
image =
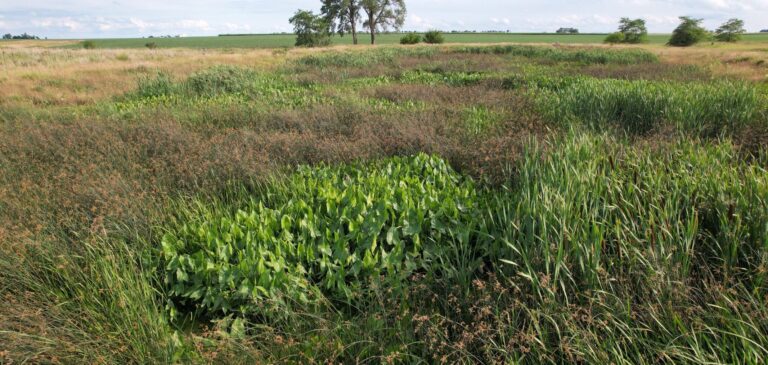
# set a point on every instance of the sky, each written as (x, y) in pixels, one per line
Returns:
(138, 18)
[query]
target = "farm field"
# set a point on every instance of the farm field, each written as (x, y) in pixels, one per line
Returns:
(457, 204)
(287, 40)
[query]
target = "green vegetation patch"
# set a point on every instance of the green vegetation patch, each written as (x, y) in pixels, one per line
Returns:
(222, 84)
(331, 227)
(364, 58)
(641, 106)
(580, 55)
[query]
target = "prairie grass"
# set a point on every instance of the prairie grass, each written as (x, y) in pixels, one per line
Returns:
(527, 205)
(640, 106)
(565, 54)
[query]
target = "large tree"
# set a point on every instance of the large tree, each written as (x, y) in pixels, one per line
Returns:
(730, 31)
(311, 30)
(634, 30)
(382, 15)
(342, 16)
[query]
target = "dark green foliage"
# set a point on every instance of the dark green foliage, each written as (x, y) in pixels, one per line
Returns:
(20, 36)
(688, 33)
(333, 228)
(311, 30)
(567, 31)
(151, 45)
(434, 37)
(730, 31)
(88, 44)
(411, 38)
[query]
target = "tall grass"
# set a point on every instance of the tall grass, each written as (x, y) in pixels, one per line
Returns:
(639, 106)
(95, 303)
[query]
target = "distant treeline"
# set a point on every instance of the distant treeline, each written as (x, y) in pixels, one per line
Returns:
(20, 36)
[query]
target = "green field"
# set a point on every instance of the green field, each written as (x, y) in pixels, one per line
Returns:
(287, 40)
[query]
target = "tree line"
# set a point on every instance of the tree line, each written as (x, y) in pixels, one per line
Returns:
(346, 17)
(20, 36)
(689, 32)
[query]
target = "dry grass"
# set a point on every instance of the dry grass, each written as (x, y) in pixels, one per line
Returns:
(76, 77)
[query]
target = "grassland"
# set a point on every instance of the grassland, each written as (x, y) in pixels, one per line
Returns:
(287, 40)
(490, 204)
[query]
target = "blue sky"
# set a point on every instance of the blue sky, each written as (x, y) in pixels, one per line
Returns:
(131, 18)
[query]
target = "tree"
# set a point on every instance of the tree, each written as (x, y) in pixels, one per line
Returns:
(730, 31)
(688, 33)
(634, 30)
(342, 16)
(383, 14)
(311, 30)
(8, 36)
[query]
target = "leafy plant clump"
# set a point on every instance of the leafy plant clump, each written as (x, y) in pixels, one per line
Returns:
(411, 38)
(434, 37)
(331, 228)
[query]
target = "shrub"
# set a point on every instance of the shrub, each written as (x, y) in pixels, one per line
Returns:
(688, 33)
(88, 44)
(151, 45)
(615, 38)
(328, 228)
(222, 79)
(434, 37)
(410, 38)
(161, 84)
